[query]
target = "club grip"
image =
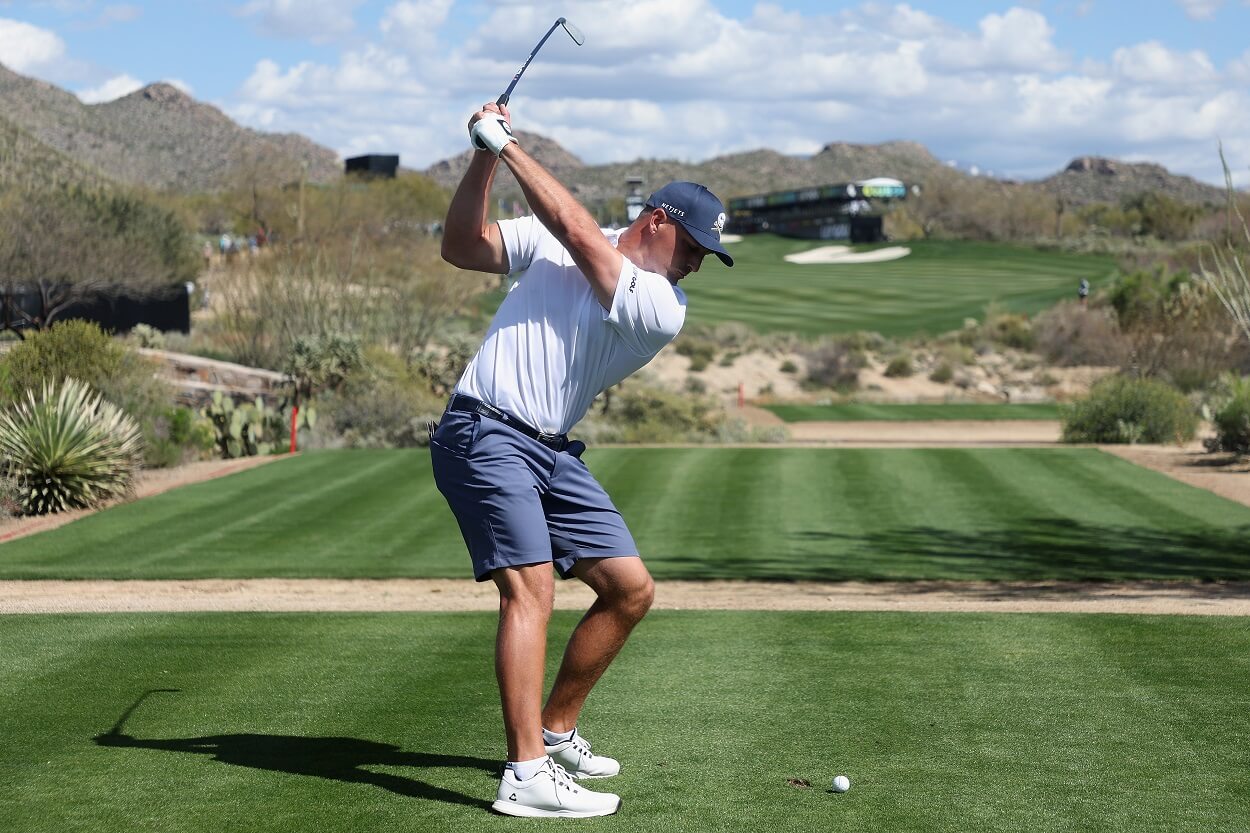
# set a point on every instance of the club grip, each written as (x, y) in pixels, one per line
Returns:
(502, 100)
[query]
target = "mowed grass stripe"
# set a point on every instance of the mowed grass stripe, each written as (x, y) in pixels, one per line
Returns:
(1122, 482)
(760, 513)
(346, 722)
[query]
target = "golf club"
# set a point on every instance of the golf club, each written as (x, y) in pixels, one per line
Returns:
(573, 32)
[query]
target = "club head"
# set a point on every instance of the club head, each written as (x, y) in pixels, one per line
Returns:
(574, 32)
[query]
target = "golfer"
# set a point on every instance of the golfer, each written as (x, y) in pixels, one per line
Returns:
(586, 311)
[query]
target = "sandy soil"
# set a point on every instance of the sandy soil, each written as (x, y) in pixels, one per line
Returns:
(969, 433)
(843, 254)
(290, 595)
(758, 373)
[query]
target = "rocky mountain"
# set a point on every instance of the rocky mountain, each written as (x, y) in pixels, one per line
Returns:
(729, 176)
(1090, 179)
(26, 161)
(157, 137)
(1085, 180)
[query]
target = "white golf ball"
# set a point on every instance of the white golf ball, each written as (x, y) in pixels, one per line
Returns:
(841, 784)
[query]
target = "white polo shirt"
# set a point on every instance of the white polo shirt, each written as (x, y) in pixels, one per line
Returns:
(552, 348)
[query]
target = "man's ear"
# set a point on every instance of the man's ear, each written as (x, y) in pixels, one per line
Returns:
(658, 217)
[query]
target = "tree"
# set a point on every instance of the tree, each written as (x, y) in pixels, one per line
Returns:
(1226, 272)
(69, 245)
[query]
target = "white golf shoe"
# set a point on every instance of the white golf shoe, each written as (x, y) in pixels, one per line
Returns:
(575, 756)
(551, 793)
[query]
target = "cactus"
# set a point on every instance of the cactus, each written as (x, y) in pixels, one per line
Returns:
(243, 430)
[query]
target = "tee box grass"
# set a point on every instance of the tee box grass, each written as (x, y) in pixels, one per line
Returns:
(944, 722)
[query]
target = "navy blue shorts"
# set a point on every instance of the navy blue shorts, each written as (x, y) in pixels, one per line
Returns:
(518, 501)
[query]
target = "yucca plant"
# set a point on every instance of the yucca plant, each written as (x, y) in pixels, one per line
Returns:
(68, 448)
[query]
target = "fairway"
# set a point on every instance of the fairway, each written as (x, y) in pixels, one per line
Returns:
(390, 722)
(696, 513)
(893, 412)
(931, 291)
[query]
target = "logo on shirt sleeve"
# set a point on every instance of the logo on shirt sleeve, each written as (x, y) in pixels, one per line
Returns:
(633, 281)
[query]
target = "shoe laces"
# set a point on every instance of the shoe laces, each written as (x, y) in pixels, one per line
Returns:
(582, 745)
(562, 779)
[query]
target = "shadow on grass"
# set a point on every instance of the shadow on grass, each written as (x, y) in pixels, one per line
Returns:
(1031, 549)
(337, 759)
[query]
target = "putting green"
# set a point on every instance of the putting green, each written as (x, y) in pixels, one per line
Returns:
(932, 290)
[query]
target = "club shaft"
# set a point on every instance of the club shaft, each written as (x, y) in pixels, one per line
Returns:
(503, 99)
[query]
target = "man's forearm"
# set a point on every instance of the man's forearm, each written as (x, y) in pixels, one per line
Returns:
(469, 213)
(550, 201)
(568, 221)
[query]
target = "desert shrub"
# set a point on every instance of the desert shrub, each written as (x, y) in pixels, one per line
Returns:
(653, 415)
(900, 367)
(75, 349)
(321, 362)
(1232, 420)
(835, 363)
(1126, 409)
(1009, 329)
(644, 414)
(145, 335)
(381, 404)
(1071, 334)
(943, 373)
(177, 435)
(1176, 328)
(81, 350)
(1140, 293)
(733, 336)
(700, 349)
(10, 503)
(789, 366)
(68, 448)
(441, 367)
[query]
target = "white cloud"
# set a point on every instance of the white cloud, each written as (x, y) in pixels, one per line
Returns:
(28, 49)
(1155, 64)
(1019, 40)
(1201, 9)
(413, 25)
(1000, 92)
(316, 20)
(112, 89)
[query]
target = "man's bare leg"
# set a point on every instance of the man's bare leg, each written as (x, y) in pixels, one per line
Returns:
(526, 595)
(625, 591)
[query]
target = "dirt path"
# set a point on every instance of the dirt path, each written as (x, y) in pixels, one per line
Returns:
(962, 433)
(288, 595)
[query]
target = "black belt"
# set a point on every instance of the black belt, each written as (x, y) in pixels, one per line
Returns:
(460, 402)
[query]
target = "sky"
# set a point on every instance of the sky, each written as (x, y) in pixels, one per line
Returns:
(998, 88)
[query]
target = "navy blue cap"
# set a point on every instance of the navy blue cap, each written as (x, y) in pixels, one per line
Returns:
(699, 212)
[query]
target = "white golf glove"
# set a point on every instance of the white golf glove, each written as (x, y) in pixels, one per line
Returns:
(491, 132)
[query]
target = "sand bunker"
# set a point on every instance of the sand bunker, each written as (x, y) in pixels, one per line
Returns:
(843, 254)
